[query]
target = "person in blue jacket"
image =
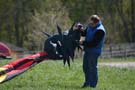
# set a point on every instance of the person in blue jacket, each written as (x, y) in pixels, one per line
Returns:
(92, 38)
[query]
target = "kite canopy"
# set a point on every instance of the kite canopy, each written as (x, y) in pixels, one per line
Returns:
(4, 50)
(62, 45)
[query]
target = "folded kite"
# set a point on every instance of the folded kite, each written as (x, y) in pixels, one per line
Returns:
(5, 51)
(19, 66)
(60, 46)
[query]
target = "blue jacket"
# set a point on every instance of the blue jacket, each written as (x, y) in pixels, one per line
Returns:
(89, 36)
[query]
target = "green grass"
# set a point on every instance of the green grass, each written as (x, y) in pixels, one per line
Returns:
(51, 75)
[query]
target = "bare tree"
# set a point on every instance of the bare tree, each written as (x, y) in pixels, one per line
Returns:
(124, 21)
(133, 19)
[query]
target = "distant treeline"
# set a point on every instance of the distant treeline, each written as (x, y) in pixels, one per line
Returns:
(21, 21)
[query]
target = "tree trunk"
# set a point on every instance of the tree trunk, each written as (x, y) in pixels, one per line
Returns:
(133, 19)
(125, 25)
(16, 22)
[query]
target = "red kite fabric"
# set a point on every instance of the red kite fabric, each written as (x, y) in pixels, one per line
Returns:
(4, 50)
(17, 67)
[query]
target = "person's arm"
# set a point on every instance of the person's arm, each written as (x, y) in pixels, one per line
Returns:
(96, 39)
(83, 35)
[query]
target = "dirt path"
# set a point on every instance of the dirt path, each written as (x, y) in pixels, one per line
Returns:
(119, 64)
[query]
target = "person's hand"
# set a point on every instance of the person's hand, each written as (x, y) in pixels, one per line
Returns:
(82, 39)
(81, 42)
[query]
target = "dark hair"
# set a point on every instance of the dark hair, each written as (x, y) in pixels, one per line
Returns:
(95, 18)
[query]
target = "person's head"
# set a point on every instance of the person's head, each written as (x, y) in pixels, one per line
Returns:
(94, 20)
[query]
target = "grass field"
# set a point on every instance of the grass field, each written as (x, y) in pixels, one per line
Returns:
(50, 75)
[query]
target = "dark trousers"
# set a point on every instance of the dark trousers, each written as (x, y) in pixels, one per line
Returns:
(90, 68)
